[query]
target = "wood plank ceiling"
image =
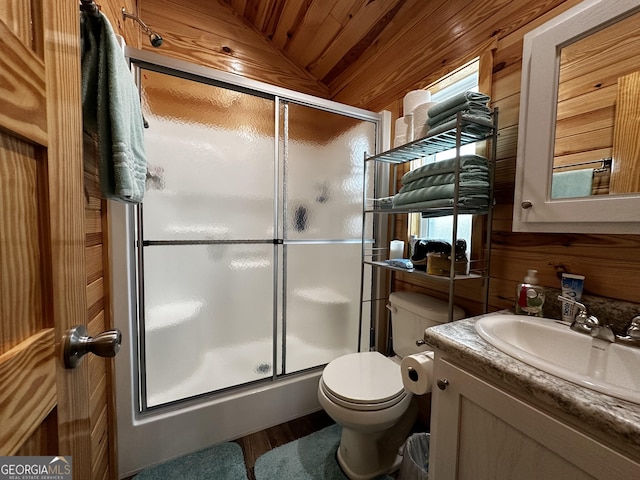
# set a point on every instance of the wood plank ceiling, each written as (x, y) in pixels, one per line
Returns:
(324, 37)
(367, 51)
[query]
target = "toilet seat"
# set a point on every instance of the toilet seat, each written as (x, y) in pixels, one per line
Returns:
(365, 381)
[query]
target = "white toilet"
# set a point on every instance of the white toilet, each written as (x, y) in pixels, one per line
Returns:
(363, 392)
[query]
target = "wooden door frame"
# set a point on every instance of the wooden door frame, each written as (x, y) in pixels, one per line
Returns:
(66, 223)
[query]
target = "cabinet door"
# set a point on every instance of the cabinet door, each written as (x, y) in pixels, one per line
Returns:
(481, 432)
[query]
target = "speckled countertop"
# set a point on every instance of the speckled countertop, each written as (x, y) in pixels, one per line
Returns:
(617, 419)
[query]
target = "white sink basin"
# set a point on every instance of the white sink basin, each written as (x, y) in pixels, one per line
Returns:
(552, 346)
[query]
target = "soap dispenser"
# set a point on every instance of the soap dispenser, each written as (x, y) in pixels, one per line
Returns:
(530, 296)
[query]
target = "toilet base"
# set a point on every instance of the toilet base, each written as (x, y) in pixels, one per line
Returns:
(355, 476)
(366, 455)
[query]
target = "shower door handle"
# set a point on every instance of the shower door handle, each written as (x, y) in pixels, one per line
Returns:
(77, 343)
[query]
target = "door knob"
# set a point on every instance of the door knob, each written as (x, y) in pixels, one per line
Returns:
(77, 343)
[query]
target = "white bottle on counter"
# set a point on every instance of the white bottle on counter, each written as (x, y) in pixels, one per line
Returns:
(530, 296)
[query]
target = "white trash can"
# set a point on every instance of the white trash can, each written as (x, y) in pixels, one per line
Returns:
(415, 458)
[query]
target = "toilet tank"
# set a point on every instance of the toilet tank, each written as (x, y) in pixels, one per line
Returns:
(411, 314)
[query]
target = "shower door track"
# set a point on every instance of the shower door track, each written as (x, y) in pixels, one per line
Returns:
(164, 243)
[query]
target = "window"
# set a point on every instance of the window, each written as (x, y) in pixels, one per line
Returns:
(441, 228)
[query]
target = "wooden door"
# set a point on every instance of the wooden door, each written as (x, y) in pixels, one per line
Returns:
(44, 408)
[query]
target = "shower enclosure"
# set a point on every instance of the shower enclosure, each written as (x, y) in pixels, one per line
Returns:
(245, 257)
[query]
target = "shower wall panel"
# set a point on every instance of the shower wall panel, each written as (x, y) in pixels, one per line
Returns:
(250, 266)
(207, 229)
(323, 200)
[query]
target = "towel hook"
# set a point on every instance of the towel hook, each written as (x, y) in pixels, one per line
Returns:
(90, 7)
(155, 38)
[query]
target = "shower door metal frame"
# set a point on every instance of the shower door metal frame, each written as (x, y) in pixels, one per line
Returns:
(158, 63)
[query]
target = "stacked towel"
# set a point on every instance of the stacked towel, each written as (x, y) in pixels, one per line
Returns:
(474, 108)
(111, 112)
(432, 186)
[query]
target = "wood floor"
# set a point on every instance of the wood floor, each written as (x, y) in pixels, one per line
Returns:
(261, 442)
(256, 444)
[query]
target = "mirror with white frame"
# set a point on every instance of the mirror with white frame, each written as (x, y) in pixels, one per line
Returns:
(578, 162)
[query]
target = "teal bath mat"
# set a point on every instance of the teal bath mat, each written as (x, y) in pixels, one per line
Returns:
(309, 458)
(220, 462)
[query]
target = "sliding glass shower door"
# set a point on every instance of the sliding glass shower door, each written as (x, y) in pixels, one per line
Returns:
(208, 258)
(249, 237)
(323, 180)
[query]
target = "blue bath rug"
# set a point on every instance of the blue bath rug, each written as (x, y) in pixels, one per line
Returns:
(309, 458)
(220, 462)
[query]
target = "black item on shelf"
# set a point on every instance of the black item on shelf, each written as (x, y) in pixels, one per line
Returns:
(424, 247)
(461, 249)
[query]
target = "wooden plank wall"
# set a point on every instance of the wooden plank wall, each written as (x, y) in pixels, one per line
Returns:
(611, 263)
(102, 403)
(210, 33)
(102, 400)
(591, 124)
(198, 31)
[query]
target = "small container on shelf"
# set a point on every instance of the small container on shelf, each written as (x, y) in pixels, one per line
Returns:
(437, 263)
(440, 264)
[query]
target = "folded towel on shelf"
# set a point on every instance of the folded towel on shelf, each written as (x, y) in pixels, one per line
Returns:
(477, 173)
(473, 189)
(477, 110)
(457, 102)
(442, 207)
(476, 126)
(111, 112)
(574, 183)
(445, 166)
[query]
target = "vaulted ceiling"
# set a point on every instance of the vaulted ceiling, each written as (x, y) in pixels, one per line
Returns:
(367, 51)
(322, 36)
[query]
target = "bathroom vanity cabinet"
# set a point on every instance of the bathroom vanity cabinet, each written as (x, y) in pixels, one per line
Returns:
(479, 430)
(375, 208)
(494, 416)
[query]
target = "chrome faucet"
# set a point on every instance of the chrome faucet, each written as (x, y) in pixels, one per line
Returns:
(603, 332)
(589, 324)
(633, 333)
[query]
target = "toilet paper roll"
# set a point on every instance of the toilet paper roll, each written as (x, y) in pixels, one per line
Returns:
(404, 127)
(408, 120)
(399, 140)
(417, 372)
(414, 98)
(420, 117)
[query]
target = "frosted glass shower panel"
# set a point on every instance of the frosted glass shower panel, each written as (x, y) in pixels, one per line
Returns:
(322, 303)
(211, 155)
(323, 173)
(208, 318)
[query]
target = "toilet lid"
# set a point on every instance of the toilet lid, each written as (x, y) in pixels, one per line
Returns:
(365, 379)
